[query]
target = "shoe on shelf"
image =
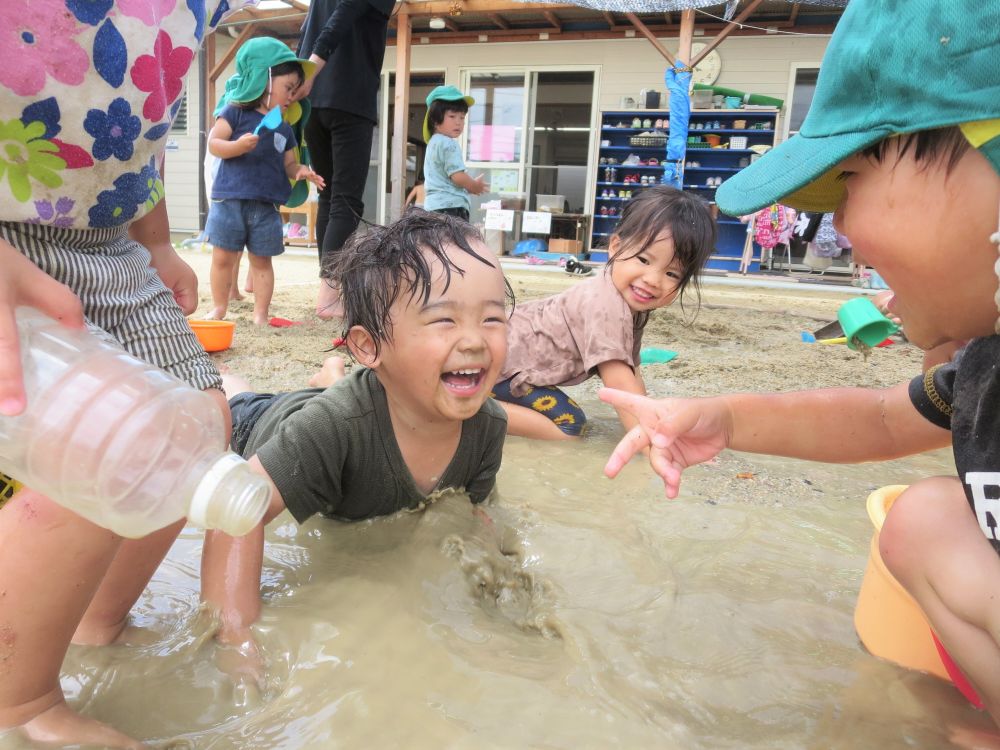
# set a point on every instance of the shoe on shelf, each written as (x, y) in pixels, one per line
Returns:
(576, 268)
(631, 161)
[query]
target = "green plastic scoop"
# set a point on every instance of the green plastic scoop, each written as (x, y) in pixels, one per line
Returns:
(271, 120)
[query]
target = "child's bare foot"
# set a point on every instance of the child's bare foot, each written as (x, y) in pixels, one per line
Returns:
(330, 373)
(218, 313)
(59, 725)
(234, 295)
(261, 320)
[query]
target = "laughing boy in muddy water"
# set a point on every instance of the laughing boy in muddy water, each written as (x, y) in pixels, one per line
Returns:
(426, 316)
(903, 140)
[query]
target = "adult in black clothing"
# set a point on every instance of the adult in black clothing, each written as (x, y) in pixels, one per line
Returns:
(346, 40)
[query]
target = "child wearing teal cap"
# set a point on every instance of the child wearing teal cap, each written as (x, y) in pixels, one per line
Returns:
(448, 185)
(903, 141)
(258, 163)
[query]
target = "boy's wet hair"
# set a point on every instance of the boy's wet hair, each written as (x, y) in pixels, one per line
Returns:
(440, 107)
(281, 69)
(376, 268)
(945, 145)
(684, 216)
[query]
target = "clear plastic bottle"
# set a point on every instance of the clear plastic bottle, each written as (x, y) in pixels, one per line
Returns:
(120, 442)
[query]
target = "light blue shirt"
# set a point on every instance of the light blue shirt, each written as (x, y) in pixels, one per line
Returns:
(443, 159)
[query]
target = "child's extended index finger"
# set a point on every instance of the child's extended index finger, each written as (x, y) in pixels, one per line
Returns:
(631, 402)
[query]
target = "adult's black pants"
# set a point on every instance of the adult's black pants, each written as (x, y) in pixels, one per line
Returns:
(340, 144)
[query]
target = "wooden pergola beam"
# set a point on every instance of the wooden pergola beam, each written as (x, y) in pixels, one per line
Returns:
(498, 20)
(744, 14)
(794, 14)
(551, 18)
(641, 27)
(609, 18)
(297, 5)
(245, 33)
(686, 35)
(479, 7)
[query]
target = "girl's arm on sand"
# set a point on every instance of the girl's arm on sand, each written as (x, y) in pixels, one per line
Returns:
(230, 572)
(618, 375)
(836, 425)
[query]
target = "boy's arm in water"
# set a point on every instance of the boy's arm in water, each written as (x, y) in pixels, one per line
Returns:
(618, 375)
(231, 568)
(836, 425)
(220, 145)
(24, 283)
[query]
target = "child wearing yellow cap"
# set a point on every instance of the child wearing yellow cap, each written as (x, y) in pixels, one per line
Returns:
(902, 141)
(448, 185)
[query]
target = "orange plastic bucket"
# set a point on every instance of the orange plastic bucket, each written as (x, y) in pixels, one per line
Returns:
(214, 335)
(887, 619)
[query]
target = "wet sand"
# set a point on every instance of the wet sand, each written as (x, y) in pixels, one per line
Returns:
(583, 613)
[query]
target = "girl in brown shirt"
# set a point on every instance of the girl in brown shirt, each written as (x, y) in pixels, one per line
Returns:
(661, 243)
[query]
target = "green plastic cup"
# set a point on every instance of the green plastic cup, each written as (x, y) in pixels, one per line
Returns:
(862, 322)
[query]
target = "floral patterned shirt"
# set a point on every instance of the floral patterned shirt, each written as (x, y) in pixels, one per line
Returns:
(88, 89)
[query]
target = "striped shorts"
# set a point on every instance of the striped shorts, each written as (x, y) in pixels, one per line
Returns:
(124, 300)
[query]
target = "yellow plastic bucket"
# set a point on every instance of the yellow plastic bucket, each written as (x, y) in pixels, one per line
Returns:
(887, 619)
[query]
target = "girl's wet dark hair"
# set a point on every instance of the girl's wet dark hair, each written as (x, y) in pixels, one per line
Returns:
(659, 210)
(281, 69)
(440, 107)
(946, 145)
(376, 268)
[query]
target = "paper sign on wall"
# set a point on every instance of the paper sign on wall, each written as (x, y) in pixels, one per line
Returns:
(536, 222)
(498, 218)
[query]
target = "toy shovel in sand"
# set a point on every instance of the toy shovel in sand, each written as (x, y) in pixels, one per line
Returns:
(271, 120)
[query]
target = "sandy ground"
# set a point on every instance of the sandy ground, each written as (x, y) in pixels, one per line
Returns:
(741, 338)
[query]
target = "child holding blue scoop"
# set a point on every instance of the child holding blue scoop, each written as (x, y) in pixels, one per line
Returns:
(257, 168)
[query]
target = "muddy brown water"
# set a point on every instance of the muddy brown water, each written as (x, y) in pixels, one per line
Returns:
(576, 612)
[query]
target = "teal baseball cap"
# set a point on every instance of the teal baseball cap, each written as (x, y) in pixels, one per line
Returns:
(254, 61)
(446, 94)
(892, 67)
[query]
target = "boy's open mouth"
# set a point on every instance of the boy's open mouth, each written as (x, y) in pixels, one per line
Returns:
(467, 380)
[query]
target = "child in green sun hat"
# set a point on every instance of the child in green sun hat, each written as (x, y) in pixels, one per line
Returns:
(447, 184)
(902, 141)
(258, 165)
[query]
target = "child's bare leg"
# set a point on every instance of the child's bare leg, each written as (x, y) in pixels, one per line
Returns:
(932, 543)
(51, 563)
(130, 571)
(221, 280)
(234, 290)
(263, 287)
(525, 422)
(330, 373)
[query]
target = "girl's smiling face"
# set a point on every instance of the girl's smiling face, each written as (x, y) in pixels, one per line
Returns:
(648, 279)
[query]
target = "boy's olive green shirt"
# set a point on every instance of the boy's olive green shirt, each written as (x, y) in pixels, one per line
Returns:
(334, 452)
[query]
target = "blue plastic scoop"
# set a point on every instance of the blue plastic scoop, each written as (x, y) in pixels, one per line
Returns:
(271, 120)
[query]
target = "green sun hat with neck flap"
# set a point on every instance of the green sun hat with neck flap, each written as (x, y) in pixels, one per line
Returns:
(446, 94)
(254, 61)
(892, 67)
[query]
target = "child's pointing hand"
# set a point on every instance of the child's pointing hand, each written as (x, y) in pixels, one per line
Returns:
(678, 432)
